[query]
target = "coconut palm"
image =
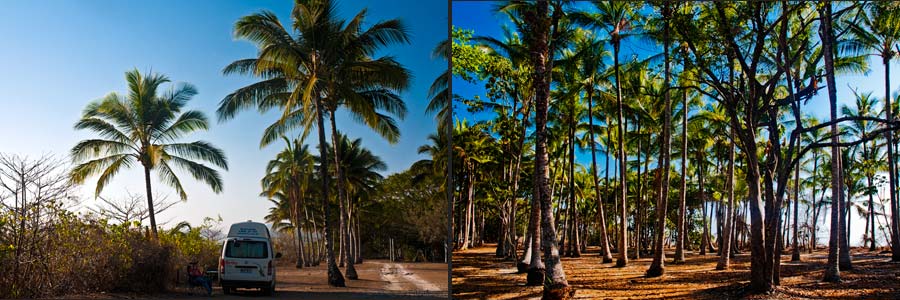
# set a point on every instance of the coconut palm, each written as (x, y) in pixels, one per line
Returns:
(288, 175)
(144, 127)
(295, 70)
(879, 32)
(860, 129)
(591, 54)
(614, 17)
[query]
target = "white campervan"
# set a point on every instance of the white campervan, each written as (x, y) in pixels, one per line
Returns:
(247, 259)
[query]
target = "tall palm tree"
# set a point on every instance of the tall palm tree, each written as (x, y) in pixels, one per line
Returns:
(860, 129)
(361, 167)
(832, 272)
(879, 32)
(614, 18)
(144, 126)
(542, 40)
(288, 175)
(657, 267)
(364, 87)
(295, 72)
(591, 54)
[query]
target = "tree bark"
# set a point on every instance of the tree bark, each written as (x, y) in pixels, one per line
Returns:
(832, 270)
(335, 278)
(604, 237)
(657, 267)
(149, 203)
(725, 258)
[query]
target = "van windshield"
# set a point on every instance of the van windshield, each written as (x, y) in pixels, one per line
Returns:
(246, 249)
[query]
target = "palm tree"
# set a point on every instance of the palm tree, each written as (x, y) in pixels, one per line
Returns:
(591, 55)
(361, 167)
(364, 86)
(614, 18)
(657, 267)
(288, 176)
(865, 107)
(542, 40)
(832, 272)
(144, 127)
(295, 72)
(879, 33)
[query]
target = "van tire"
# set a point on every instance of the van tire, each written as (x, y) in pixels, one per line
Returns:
(226, 290)
(268, 291)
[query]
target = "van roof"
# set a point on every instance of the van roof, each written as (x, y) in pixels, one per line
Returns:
(249, 229)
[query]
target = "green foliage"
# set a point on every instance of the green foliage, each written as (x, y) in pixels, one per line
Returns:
(412, 210)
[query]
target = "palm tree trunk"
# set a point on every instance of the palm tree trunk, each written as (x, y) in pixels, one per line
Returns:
(844, 255)
(623, 191)
(871, 215)
(150, 203)
(795, 252)
(726, 236)
(535, 275)
(892, 178)
(679, 239)
(344, 202)
(298, 234)
(832, 271)
(555, 284)
(815, 215)
(335, 278)
(573, 236)
(604, 237)
(640, 195)
(657, 267)
(359, 258)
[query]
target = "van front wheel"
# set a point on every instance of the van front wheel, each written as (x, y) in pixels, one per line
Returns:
(268, 291)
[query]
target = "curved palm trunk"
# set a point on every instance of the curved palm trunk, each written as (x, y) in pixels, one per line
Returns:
(535, 266)
(725, 257)
(150, 203)
(574, 242)
(344, 202)
(335, 278)
(295, 216)
(604, 238)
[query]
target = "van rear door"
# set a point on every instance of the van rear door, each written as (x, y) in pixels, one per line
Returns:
(246, 259)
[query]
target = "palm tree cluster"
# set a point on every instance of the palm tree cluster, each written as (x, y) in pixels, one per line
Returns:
(320, 66)
(706, 141)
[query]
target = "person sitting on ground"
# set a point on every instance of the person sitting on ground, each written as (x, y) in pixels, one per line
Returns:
(196, 277)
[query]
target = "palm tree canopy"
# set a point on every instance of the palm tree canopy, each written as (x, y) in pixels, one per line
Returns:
(325, 58)
(144, 127)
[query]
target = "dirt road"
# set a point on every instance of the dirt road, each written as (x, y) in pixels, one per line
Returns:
(378, 279)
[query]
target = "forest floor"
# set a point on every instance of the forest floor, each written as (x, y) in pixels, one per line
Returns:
(378, 280)
(479, 274)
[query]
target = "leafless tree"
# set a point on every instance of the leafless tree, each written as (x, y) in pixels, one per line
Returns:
(131, 207)
(32, 191)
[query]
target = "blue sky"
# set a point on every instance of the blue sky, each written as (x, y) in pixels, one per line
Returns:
(57, 56)
(480, 17)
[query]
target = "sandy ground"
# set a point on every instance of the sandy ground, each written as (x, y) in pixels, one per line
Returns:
(378, 279)
(478, 274)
